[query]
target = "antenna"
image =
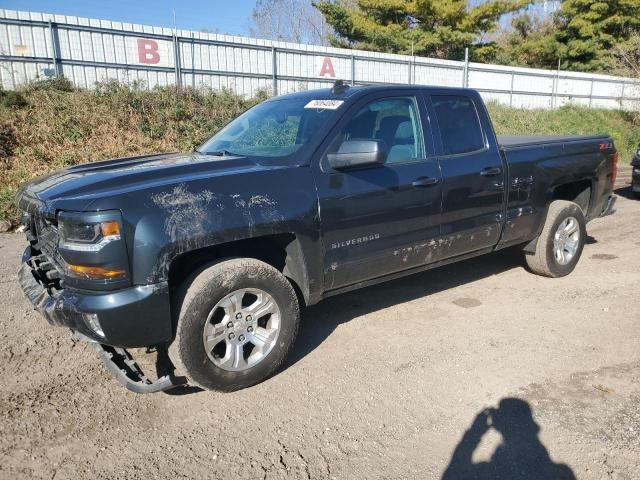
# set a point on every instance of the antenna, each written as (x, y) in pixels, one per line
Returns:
(339, 87)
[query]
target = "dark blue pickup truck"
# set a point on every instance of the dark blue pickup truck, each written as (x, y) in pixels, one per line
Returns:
(207, 256)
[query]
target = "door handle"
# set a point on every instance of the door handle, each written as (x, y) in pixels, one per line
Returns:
(424, 182)
(491, 172)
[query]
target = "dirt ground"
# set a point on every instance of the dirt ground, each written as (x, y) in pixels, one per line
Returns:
(389, 382)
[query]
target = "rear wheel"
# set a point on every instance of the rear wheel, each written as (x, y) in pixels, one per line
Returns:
(238, 321)
(559, 246)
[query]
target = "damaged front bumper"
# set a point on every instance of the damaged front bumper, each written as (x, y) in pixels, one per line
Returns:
(110, 321)
(132, 317)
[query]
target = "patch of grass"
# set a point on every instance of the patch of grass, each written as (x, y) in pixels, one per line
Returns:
(623, 127)
(8, 209)
(55, 126)
(12, 99)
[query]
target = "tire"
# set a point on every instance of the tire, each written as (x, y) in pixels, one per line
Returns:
(545, 262)
(207, 301)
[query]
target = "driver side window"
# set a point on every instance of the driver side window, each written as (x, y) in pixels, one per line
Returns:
(395, 122)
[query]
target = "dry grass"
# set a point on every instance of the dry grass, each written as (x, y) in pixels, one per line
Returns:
(54, 128)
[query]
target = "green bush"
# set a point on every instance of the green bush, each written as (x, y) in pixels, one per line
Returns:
(60, 84)
(12, 99)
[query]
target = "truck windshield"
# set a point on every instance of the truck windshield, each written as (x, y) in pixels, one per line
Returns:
(273, 129)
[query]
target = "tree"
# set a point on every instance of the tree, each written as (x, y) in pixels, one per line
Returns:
(531, 42)
(591, 28)
(626, 56)
(436, 28)
(289, 21)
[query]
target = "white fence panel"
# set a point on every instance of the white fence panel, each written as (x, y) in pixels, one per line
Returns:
(86, 50)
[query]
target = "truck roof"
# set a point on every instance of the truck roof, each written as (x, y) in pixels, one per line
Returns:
(347, 91)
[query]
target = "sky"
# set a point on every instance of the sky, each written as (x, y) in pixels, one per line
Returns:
(222, 16)
(227, 16)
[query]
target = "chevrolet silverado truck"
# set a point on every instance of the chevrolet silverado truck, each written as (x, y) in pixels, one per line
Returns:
(207, 257)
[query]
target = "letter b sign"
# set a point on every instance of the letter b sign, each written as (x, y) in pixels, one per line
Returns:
(148, 51)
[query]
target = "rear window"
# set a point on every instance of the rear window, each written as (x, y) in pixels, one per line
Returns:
(459, 124)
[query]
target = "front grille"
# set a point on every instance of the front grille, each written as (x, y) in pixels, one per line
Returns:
(47, 237)
(46, 260)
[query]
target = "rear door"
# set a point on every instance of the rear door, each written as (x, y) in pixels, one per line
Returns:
(472, 174)
(380, 219)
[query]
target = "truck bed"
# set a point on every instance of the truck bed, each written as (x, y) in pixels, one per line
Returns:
(517, 141)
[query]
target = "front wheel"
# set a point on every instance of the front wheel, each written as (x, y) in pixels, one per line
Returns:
(561, 242)
(238, 321)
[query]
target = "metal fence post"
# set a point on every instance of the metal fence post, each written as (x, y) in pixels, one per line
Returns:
(591, 93)
(274, 70)
(409, 71)
(622, 96)
(465, 70)
(55, 48)
(556, 86)
(176, 61)
(513, 82)
(353, 70)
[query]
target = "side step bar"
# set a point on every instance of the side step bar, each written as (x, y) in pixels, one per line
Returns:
(609, 209)
(121, 365)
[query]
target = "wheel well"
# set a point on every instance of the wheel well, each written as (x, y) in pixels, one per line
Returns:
(578, 192)
(281, 251)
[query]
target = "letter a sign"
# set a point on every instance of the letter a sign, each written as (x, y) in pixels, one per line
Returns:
(326, 69)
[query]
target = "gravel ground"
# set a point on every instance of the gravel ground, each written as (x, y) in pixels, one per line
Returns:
(391, 382)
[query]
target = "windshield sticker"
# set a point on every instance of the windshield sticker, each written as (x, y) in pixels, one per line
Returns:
(324, 104)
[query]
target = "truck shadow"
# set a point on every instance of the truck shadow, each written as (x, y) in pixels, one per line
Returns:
(520, 453)
(626, 192)
(319, 321)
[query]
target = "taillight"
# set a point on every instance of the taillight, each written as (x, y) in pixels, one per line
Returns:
(615, 157)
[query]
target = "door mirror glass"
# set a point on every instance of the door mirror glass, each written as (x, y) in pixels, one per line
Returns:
(353, 153)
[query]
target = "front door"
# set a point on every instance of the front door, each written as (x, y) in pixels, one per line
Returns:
(380, 219)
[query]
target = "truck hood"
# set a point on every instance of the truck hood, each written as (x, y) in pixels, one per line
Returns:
(82, 184)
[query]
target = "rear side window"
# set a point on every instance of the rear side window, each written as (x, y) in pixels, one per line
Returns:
(459, 124)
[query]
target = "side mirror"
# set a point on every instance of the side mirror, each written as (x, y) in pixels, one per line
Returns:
(353, 153)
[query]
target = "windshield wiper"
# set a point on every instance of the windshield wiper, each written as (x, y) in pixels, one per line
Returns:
(220, 153)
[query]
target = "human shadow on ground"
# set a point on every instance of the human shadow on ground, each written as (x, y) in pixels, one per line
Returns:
(521, 455)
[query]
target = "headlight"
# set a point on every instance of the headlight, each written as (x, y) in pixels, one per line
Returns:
(84, 236)
(92, 250)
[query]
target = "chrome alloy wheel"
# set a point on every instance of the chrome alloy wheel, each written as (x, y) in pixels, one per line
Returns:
(566, 241)
(242, 329)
